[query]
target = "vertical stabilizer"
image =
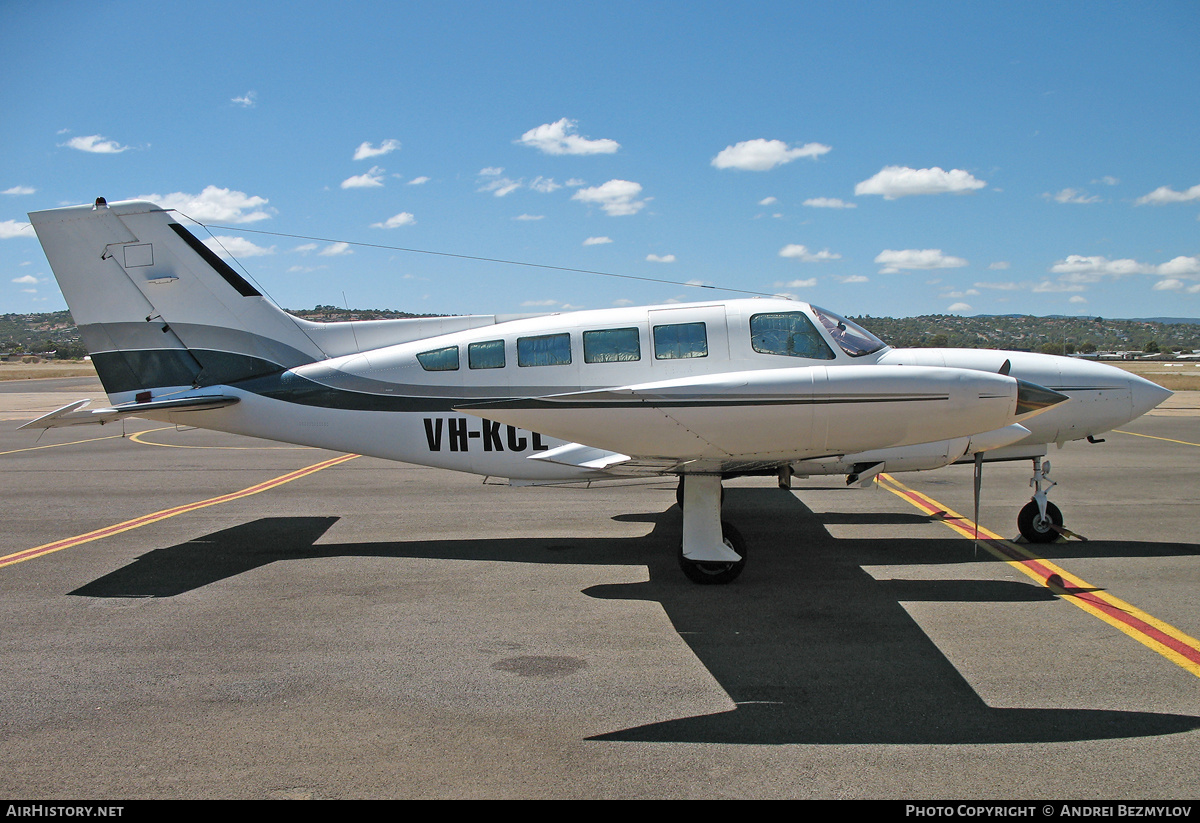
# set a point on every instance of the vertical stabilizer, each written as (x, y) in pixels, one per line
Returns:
(157, 309)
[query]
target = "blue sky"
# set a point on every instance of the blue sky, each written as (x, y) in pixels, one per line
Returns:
(874, 158)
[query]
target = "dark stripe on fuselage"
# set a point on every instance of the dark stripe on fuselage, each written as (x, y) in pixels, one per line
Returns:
(695, 401)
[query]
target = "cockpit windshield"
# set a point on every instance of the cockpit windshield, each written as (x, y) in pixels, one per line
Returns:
(853, 338)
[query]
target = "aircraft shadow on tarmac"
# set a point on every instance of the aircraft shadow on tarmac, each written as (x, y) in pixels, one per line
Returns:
(811, 647)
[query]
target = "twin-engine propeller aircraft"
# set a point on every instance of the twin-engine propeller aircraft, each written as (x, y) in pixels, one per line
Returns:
(704, 391)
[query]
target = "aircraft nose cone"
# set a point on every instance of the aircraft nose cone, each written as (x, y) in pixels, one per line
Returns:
(1031, 397)
(1146, 395)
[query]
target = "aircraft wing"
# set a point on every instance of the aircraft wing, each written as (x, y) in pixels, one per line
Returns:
(769, 417)
(73, 414)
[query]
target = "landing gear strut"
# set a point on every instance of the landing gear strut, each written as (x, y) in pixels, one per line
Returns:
(1040, 521)
(712, 552)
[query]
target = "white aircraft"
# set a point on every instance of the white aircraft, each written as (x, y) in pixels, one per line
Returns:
(704, 391)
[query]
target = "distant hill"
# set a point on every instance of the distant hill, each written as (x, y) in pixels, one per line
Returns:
(56, 331)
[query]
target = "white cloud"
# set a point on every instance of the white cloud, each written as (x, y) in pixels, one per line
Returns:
(305, 248)
(530, 217)
(544, 185)
(829, 203)
(768, 201)
(1180, 267)
(1003, 286)
(999, 265)
(418, 181)
(597, 241)
(802, 253)
(1077, 264)
(26, 279)
(1171, 284)
(955, 294)
(95, 144)
(226, 246)
(853, 278)
(894, 261)
(959, 307)
(367, 180)
(365, 150)
(11, 228)
(336, 250)
(1061, 285)
(396, 221)
(762, 155)
(616, 197)
(1165, 194)
(1107, 180)
(246, 101)
(560, 138)
(532, 303)
(19, 190)
(223, 205)
(901, 181)
(1078, 271)
(666, 258)
(499, 186)
(1077, 298)
(1073, 196)
(797, 284)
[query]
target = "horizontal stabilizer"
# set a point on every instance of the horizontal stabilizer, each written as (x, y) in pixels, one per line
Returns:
(73, 415)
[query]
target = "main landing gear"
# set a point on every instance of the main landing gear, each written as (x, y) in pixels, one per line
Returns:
(1040, 521)
(712, 551)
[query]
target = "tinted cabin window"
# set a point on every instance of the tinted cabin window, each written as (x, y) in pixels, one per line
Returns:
(680, 340)
(544, 350)
(611, 346)
(853, 338)
(486, 355)
(790, 334)
(439, 359)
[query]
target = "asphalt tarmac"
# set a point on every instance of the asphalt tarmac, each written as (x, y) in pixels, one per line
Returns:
(381, 630)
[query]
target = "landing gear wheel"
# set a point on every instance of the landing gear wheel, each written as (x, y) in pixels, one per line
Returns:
(716, 573)
(1036, 530)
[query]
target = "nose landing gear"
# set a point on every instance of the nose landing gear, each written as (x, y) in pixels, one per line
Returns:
(1040, 521)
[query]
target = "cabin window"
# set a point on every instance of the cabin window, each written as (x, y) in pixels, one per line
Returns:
(439, 359)
(486, 355)
(680, 340)
(790, 334)
(611, 346)
(544, 350)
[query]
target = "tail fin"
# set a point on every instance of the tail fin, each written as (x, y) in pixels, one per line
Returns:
(158, 310)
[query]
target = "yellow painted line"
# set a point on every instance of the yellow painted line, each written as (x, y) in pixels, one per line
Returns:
(137, 438)
(145, 520)
(1152, 437)
(77, 442)
(1151, 632)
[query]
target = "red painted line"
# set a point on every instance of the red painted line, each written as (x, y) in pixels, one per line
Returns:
(1090, 598)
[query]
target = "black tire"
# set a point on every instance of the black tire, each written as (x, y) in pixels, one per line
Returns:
(708, 574)
(1033, 528)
